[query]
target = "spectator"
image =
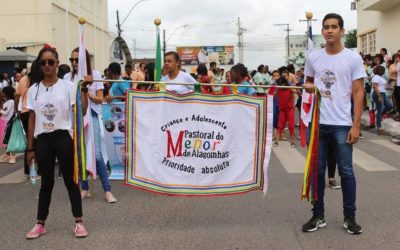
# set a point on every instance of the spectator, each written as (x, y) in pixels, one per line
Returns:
(6, 113)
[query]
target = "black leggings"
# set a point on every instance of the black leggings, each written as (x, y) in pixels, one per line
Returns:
(49, 146)
(24, 120)
(331, 160)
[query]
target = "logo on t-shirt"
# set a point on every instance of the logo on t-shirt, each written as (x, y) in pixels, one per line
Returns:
(328, 78)
(49, 112)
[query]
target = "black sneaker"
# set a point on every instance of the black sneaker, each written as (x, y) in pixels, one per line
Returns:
(351, 225)
(317, 221)
(332, 184)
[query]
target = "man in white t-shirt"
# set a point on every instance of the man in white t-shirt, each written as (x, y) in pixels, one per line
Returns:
(339, 75)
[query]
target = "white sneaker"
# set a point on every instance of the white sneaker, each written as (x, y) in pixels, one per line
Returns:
(13, 159)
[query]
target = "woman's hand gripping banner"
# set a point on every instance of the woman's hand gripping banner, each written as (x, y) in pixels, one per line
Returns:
(197, 145)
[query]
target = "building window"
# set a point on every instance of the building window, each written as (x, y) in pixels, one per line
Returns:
(364, 44)
(372, 42)
(368, 43)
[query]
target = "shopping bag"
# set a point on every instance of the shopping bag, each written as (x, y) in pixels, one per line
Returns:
(7, 133)
(18, 141)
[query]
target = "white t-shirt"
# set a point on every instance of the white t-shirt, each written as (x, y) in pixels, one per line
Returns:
(333, 76)
(92, 88)
(382, 83)
(52, 106)
(182, 77)
(8, 110)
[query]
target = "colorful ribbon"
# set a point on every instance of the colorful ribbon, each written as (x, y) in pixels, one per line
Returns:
(310, 179)
(79, 138)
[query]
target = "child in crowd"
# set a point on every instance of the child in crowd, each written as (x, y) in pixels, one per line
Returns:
(6, 114)
(286, 110)
(383, 104)
(275, 77)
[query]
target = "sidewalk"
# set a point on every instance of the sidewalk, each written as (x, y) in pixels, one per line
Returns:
(391, 126)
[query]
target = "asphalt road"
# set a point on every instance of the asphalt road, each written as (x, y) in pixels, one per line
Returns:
(141, 220)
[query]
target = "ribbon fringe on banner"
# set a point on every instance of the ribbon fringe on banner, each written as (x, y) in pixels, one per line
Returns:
(310, 180)
(196, 144)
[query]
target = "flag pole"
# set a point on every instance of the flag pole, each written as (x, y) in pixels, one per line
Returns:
(158, 60)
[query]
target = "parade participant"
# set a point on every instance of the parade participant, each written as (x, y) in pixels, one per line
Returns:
(258, 79)
(338, 73)
(227, 90)
(118, 89)
(128, 72)
(20, 100)
(51, 102)
(239, 74)
(63, 69)
(274, 78)
(211, 71)
(394, 74)
(202, 77)
(7, 112)
(172, 64)
(383, 105)
(95, 97)
(286, 110)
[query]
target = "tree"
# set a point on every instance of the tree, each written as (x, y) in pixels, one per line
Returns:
(351, 39)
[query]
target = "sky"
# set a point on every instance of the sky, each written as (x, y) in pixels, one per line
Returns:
(214, 22)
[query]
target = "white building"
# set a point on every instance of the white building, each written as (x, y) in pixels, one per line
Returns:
(378, 25)
(28, 24)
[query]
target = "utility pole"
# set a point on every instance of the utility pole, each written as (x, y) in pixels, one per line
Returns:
(164, 44)
(118, 25)
(288, 39)
(240, 40)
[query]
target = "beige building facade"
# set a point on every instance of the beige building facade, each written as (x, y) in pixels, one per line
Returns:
(29, 24)
(378, 25)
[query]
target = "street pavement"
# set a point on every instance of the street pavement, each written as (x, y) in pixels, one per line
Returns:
(141, 220)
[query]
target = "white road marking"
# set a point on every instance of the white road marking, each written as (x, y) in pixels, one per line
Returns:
(17, 176)
(291, 159)
(369, 163)
(387, 144)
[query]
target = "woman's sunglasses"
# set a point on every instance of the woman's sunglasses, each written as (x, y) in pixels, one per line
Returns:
(72, 60)
(50, 62)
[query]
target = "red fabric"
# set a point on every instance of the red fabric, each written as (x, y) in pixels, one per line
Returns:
(205, 89)
(285, 98)
(226, 90)
(286, 115)
(303, 134)
(372, 118)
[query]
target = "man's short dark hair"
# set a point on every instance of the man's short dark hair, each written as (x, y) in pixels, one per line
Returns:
(128, 66)
(114, 68)
(334, 16)
(260, 67)
(212, 64)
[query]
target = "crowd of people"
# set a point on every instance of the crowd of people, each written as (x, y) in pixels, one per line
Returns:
(43, 98)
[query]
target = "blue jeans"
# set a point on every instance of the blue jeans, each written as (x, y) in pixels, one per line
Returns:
(344, 156)
(100, 165)
(381, 107)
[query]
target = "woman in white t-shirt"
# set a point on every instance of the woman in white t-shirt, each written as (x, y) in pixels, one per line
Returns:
(383, 105)
(6, 113)
(50, 103)
(172, 64)
(95, 95)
